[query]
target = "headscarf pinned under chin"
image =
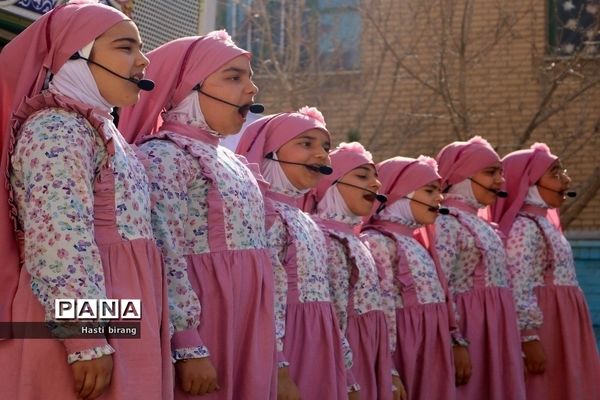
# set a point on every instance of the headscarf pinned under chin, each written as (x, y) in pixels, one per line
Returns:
(461, 160)
(176, 67)
(268, 134)
(333, 203)
(401, 176)
(534, 198)
(464, 190)
(188, 112)
(522, 170)
(25, 62)
(400, 212)
(344, 158)
(75, 80)
(278, 180)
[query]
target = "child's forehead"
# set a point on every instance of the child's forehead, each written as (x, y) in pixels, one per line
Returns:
(365, 168)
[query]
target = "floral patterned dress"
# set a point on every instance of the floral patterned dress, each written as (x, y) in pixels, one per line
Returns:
(416, 309)
(83, 212)
(356, 295)
(208, 218)
(551, 308)
(309, 340)
(472, 256)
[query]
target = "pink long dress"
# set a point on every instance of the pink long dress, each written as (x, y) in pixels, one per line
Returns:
(356, 295)
(416, 309)
(552, 308)
(472, 256)
(84, 210)
(309, 340)
(209, 221)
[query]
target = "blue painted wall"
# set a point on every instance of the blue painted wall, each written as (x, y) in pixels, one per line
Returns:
(587, 261)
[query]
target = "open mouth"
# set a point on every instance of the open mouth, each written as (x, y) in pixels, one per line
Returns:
(243, 110)
(370, 197)
(564, 193)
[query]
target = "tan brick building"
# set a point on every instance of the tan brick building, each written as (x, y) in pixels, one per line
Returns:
(430, 72)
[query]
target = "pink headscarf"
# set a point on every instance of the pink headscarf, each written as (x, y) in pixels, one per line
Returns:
(268, 134)
(176, 67)
(522, 169)
(345, 158)
(460, 160)
(25, 62)
(400, 176)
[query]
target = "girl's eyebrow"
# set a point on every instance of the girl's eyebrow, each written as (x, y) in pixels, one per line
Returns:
(127, 39)
(237, 70)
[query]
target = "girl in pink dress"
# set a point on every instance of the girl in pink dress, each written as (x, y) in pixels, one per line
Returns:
(415, 298)
(80, 204)
(561, 356)
(313, 357)
(471, 254)
(342, 198)
(208, 217)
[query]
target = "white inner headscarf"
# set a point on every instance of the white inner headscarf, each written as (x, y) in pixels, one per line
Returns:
(533, 197)
(333, 203)
(464, 189)
(400, 211)
(188, 112)
(75, 80)
(273, 173)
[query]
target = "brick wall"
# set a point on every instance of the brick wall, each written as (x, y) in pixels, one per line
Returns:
(502, 85)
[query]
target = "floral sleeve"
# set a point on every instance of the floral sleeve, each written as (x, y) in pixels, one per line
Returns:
(276, 236)
(525, 261)
(339, 288)
(448, 247)
(53, 170)
(170, 182)
(384, 253)
(339, 280)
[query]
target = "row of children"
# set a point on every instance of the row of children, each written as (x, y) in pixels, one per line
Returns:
(286, 271)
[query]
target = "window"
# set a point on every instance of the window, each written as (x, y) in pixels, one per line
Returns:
(320, 34)
(340, 34)
(573, 27)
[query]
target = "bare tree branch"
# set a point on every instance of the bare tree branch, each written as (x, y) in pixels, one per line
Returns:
(589, 190)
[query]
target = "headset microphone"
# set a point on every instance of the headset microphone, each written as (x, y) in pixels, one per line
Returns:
(499, 193)
(568, 194)
(382, 198)
(439, 210)
(322, 169)
(143, 84)
(255, 108)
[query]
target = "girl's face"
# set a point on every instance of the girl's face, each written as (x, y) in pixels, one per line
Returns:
(120, 50)
(490, 177)
(232, 83)
(310, 147)
(360, 202)
(553, 185)
(429, 194)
